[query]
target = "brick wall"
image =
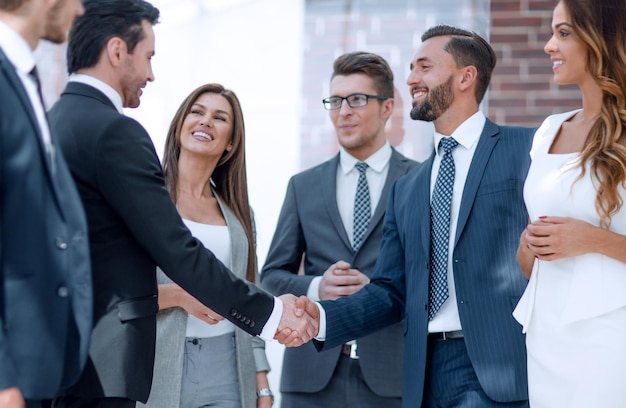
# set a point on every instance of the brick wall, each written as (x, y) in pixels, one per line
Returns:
(522, 91)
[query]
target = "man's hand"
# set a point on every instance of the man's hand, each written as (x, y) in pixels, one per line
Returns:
(339, 280)
(11, 398)
(299, 322)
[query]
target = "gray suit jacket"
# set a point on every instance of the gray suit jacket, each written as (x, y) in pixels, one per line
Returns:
(170, 341)
(310, 225)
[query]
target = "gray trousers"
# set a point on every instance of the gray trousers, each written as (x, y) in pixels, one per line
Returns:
(210, 373)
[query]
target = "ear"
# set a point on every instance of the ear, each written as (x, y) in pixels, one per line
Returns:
(469, 75)
(115, 51)
(387, 107)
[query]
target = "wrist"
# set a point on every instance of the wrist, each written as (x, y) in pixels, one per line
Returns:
(265, 392)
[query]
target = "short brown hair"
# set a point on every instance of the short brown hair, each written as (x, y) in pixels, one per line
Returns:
(372, 65)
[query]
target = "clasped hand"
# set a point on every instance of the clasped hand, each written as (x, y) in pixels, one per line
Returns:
(299, 322)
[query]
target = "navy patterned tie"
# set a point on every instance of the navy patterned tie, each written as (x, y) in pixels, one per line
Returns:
(440, 228)
(362, 212)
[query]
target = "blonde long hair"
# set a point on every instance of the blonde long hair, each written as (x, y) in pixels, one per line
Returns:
(600, 25)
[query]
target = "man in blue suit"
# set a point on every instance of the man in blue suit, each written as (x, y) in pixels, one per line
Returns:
(45, 275)
(462, 346)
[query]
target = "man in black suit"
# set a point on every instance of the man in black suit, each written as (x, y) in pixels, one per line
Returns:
(45, 279)
(133, 224)
(318, 224)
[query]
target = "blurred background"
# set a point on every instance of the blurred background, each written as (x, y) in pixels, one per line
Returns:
(277, 56)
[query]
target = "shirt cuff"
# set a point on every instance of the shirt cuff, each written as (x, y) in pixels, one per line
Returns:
(321, 334)
(313, 293)
(269, 330)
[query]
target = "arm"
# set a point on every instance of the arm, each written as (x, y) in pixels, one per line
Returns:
(11, 398)
(552, 238)
(172, 295)
(525, 256)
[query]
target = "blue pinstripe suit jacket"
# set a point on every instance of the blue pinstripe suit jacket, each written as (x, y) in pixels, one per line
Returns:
(487, 278)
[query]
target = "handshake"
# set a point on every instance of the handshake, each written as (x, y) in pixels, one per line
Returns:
(299, 322)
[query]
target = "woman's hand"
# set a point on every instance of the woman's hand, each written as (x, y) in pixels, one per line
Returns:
(172, 295)
(552, 238)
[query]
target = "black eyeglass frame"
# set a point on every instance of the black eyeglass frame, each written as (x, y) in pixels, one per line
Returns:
(327, 101)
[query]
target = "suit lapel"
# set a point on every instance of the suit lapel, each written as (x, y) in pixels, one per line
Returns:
(328, 182)
(238, 241)
(486, 143)
(8, 70)
(397, 168)
(423, 196)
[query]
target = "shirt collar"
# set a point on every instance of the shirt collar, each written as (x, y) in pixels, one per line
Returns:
(103, 87)
(467, 134)
(376, 161)
(16, 49)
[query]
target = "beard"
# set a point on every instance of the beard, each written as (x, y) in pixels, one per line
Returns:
(438, 101)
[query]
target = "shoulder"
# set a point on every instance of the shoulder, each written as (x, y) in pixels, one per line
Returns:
(314, 173)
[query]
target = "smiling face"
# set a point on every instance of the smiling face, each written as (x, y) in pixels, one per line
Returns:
(431, 81)
(137, 68)
(361, 131)
(208, 127)
(567, 51)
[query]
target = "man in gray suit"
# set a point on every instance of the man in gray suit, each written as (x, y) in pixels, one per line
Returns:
(332, 222)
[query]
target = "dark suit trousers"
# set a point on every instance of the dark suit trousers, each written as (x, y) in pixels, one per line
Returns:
(451, 380)
(346, 388)
(72, 401)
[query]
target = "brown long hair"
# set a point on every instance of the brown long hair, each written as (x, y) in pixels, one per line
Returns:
(229, 176)
(600, 25)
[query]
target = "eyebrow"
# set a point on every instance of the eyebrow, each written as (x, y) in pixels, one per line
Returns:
(217, 110)
(417, 61)
(563, 24)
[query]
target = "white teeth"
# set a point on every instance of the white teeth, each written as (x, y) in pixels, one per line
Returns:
(557, 63)
(202, 134)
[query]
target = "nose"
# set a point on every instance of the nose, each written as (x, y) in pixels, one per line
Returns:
(550, 46)
(345, 109)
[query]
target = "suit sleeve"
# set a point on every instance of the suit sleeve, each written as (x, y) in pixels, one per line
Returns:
(280, 272)
(130, 178)
(380, 303)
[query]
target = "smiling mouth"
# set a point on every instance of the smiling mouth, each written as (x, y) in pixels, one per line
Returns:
(202, 135)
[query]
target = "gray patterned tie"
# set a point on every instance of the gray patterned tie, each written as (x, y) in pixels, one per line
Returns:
(362, 210)
(440, 228)
(50, 150)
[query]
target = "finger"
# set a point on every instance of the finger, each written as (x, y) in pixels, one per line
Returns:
(300, 306)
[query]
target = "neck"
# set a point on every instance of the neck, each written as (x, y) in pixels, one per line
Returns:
(592, 102)
(451, 119)
(23, 24)
(194, 175)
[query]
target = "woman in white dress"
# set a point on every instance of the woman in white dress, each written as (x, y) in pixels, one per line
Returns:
(574, 248)
(202, 360)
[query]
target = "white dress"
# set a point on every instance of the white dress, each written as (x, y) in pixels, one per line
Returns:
(573, 310)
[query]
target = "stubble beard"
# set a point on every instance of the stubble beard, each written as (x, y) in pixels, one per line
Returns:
(436, 104)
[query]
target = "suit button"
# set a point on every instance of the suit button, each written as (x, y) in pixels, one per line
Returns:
(62, 292)
(61, 244)
(233, 312)
(252, 323)
(239, 316)
(247, 322)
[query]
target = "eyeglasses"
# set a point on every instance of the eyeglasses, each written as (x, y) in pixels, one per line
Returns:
(356, 100)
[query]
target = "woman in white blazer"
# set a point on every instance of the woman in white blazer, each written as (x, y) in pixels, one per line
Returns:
(574, 308)
(202, 359)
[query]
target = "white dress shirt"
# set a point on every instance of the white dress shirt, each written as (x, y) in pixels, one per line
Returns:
(21, 56)
(347, 180)
(467, 135)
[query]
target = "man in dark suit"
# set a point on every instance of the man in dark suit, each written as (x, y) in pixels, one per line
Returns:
(133, 224)
(45, 277)
(317, 225)
(447, 265)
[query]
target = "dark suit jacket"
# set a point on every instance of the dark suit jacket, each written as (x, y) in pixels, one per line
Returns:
(310, 225)
(487, 278)
(133, 227)
(45, 279)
